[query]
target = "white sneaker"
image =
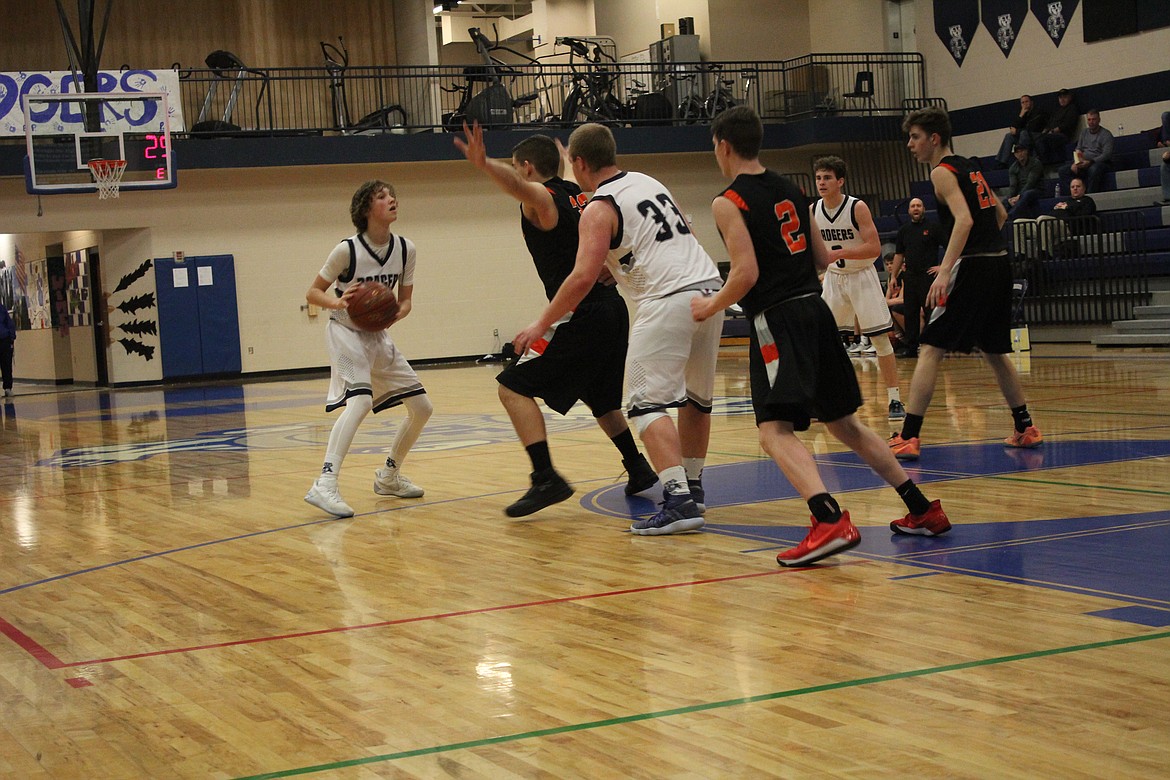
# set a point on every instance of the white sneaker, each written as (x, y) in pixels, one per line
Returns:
(324, 496)
(867, 347)
(854, 349)
(389, 482)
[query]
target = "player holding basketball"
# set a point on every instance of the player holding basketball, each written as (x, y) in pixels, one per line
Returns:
(671, 359)
(581, 356)
(368, 373)
(852, 288)
(972, 293)
(797, 367)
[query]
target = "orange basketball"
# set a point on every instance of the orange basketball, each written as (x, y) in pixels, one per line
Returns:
(372, 307)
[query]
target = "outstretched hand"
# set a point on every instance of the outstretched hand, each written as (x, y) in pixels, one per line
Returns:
(473, 148)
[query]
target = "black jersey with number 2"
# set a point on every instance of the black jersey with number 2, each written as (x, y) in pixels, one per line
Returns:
(777, 216)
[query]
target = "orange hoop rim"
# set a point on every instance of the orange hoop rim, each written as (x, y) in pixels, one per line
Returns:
(107, 174)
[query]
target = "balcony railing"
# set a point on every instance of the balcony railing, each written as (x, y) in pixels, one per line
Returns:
(417, 99)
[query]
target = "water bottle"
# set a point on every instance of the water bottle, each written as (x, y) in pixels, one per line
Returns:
(1058, 189)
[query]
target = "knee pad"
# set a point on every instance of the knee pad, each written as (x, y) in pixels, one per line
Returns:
(643, 421)
(882, 344)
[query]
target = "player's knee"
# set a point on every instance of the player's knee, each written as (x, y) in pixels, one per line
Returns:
(643, 421)
(419, 407)
(882, 344)
(359, 404)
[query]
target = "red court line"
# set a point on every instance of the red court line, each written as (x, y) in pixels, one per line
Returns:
(31, 646)
(52, 662)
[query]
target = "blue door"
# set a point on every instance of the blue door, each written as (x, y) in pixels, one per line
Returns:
(198, 326)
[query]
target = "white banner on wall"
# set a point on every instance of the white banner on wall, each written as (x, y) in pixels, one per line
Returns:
(14, 85)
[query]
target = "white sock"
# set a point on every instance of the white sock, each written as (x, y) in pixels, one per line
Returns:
(694, 467)
(894, 393)
(679, 475)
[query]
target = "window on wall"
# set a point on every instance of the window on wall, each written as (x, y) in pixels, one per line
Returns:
(1105, 19)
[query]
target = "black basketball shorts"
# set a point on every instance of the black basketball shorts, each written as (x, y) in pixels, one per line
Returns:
(978, 310)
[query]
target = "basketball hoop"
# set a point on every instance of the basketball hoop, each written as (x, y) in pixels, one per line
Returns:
(108, 175)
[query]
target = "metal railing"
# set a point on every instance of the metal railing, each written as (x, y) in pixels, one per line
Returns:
(1088, 270)
(415, 99)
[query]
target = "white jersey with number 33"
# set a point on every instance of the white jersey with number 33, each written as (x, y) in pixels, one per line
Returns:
(654, 253)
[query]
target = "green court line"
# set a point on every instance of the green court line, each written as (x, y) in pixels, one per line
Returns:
(476, 743)
(1059, 483)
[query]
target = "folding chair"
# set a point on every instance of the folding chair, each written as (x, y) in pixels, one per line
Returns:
(862, 89)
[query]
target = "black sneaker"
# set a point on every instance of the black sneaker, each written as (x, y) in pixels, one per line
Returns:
(548, 488)
(641, 475)
(698, 495)
(682, 517)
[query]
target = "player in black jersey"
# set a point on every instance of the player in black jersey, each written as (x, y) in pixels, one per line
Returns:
(582, 356)
(799, 369)
(972, 293)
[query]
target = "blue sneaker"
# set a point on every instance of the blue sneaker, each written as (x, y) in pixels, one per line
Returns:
(682, 517)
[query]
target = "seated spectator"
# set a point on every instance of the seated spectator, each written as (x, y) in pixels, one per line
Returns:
(1068, 219)
(1060, 130)
(897, 306)
(1165, 201)
(1092, 155)
(1023, 197)
(1028, 124)
(1163, 133)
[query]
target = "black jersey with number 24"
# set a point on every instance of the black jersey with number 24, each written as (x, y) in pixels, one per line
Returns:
(985, 237)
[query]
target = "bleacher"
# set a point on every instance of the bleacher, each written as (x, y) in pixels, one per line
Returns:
(1134, 233)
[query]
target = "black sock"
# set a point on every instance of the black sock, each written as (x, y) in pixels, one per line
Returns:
(824, 508)
(624, 441)
(917, 503)
(538, 454)
(1022, 418)
(912, 426)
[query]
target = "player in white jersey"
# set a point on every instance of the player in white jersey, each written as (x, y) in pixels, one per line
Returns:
(633, 227)
(368, 373)
(851, 285)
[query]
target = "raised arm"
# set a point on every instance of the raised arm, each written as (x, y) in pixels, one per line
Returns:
(535, 199)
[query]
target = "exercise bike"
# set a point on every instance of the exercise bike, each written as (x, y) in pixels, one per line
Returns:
(389, 118)
(591, 97)
(492, 104)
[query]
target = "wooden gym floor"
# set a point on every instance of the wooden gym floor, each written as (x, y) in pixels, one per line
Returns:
(170, 607)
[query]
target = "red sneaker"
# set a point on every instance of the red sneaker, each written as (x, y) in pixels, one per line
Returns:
(904, 449)
(1030, 439)
(932, 522)
(823, 540)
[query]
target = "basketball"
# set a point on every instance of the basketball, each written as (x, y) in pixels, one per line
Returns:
(372, 307)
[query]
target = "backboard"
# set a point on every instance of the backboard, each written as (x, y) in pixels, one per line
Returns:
(63, 132)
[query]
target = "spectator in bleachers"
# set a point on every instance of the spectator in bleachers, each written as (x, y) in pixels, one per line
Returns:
(1068, 219)
(1165, 201)
(1092, 155)
(1029, 124)
(1060, 130)
(1023, 197)
(915, 264)
(1164, 133)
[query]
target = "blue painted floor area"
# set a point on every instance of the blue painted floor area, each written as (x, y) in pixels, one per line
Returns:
(1115, 556)
(757, 481)
(1122, 557)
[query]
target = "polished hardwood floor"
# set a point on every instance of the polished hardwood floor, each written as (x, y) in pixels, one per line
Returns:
(170, 607)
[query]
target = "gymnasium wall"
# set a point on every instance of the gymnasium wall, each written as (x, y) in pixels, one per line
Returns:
(474, 274)
(992, 83)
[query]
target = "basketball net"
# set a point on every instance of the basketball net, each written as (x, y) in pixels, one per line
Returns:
(108, 176)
